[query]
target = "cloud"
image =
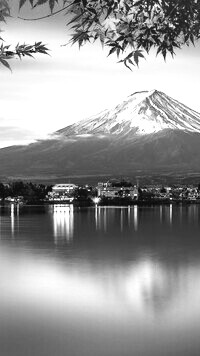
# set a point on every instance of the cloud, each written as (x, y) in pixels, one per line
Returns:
(15, 132)
(11, 135)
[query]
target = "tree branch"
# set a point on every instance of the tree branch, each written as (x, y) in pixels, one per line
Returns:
(46, 16)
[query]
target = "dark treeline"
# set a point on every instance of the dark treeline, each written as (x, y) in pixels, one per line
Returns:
(29, 191)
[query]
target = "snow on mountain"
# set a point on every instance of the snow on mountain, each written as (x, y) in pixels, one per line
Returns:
(149, 133)
(141, 113)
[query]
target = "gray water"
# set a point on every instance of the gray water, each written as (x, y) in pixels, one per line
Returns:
(100, 282)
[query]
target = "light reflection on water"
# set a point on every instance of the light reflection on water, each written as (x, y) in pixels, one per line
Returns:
(100, 281)
(63, 222)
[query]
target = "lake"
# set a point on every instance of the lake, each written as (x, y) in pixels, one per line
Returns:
(104, 281)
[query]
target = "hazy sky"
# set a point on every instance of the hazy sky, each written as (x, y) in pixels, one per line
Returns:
(49, 92)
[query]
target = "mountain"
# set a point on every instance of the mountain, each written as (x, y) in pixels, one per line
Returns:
(142, 113)
(148, 132)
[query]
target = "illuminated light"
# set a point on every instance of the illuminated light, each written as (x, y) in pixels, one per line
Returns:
(105, 219)
(12, 218)
(63, 220)
(121, 219)
(96, 200)
(170, 214)
(98, 217)
(129, 215)
(161, 213)
(135, 217)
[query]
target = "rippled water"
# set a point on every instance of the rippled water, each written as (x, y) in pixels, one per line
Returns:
(100, 282)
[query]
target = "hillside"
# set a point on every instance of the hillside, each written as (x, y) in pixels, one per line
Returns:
(147, 132)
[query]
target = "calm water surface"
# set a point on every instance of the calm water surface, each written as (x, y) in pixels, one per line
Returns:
(100, 282)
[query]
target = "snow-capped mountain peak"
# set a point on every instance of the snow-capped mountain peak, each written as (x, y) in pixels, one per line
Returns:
(142, 113)
(127, 140)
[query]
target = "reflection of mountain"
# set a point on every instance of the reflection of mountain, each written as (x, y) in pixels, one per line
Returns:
(63, 223)
(134, 270)
(142, 260)
(135, 291)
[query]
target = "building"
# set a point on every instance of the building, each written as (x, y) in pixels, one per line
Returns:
(107, 190)
(62, 192)
(63, 189)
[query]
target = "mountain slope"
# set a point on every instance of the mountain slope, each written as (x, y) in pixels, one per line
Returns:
(148, 132)
(142, 113)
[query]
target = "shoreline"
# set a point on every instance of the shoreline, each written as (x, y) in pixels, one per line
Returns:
(104, 203)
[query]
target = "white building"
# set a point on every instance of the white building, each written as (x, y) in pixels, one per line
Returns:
(107, 191)
(63, 189)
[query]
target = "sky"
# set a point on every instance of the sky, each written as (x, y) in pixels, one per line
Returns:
(47, 93)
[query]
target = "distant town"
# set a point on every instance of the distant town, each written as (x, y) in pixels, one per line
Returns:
(111, 192)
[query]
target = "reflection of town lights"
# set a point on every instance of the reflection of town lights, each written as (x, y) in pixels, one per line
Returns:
(63, 220)
(12, 215)
(96, 200)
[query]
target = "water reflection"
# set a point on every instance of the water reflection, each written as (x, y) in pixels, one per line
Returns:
(105, 219)
(170, 214)
(181, 213)
(120, 281)
(146, 287)
(161, 213)
(122, 219)
(12, 218)
(127, 217)
(63, 219)
(63, 223)
(101, 217)
(135, 217)
(142, 301)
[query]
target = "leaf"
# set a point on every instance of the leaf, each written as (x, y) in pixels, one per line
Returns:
(74, 19)
(127, 7)
(127, 65)
(192, 39)
(130, 55)
(74, 2)
(112, 51)
(120, 38)
(90, 9)
(40, 2)
(2, 17)
(37, 44)
(164, 53)
(109, 11)
(4, 3)
(102, 38)
(21, 3)
(136, 56)
(5, 63)
(52, 4)
(137, 3)
(118, 52)
(84, 2)
(131, 62)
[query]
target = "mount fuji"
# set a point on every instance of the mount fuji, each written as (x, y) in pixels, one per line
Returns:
(148, 132)
(142, 113)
